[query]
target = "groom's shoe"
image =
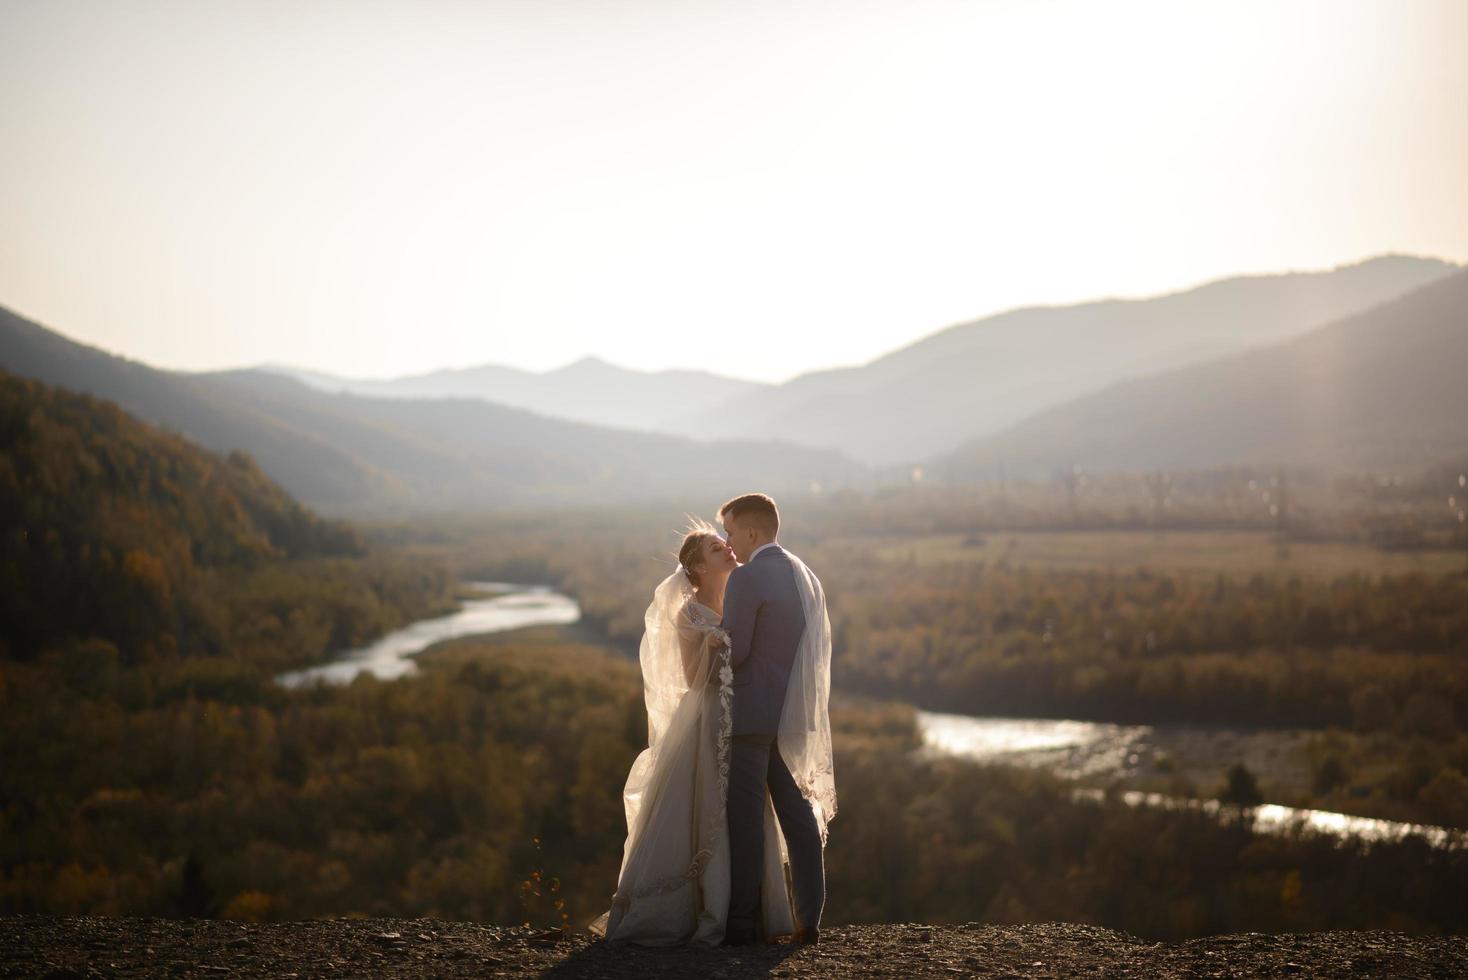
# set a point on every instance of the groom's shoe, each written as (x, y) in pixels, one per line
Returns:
(806, 937)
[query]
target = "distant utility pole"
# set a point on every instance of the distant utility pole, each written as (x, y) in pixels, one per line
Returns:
(1072, 477)
(1280, 510)
(1003, 505)
(1281, 518)
(1458, 504)
(1157, 482)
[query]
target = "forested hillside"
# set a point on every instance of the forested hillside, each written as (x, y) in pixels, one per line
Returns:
(123, 543)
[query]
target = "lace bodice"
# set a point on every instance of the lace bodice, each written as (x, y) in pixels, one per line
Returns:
(698, 631)
(703, 615)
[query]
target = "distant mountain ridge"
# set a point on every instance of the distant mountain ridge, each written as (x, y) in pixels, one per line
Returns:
(1017, 380)
(1380, 388)
(588, 390)
(347, 454)
(977, 378)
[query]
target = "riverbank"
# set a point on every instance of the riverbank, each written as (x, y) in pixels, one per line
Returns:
(96, 947)
(1290, 766)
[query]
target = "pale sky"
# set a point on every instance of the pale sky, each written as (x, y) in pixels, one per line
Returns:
(757, 188)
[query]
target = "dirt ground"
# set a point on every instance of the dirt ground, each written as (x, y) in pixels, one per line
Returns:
(73, 948)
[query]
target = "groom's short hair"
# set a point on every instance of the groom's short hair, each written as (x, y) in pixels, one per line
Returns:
(757, 509)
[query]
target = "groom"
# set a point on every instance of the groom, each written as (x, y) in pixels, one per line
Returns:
(764, 617)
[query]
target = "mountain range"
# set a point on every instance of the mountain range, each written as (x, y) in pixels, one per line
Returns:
(1357, 367)
(354, 455)
(976, 379)
(588, 390)
(1383, 388)
(949, 388)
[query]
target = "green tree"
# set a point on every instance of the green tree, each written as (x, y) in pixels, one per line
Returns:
(1241, 789)
(1446, 797)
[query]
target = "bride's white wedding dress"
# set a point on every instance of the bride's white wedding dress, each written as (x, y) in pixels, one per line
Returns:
(673, 888)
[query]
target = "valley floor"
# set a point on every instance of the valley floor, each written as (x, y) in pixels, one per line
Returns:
(89, 946)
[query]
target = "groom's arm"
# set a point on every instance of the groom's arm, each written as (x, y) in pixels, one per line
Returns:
(741, 609)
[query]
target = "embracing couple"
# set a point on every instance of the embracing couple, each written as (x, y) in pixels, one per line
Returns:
(736, 782)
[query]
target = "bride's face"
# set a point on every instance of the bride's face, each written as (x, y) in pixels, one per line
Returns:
(718, 557)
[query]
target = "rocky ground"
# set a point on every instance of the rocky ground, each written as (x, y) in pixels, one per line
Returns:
(89, 947)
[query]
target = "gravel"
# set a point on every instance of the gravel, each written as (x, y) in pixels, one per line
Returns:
(76, 947)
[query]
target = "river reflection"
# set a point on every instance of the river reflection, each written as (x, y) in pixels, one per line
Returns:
(1276, 819)
(1068, 748)
(502, 606)
(1075, 749)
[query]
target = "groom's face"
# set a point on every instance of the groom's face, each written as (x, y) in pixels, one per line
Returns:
(741, 540)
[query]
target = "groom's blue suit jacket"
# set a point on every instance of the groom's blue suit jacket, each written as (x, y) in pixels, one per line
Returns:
(764, 617)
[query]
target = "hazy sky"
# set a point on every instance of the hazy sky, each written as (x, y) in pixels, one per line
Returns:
(758, 188)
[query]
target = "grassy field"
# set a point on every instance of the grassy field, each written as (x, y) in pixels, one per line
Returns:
(1209, 552)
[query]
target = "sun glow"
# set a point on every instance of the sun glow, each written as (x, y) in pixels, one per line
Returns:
(397, 187)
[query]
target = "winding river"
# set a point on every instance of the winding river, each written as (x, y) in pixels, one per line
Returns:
(1080, 749)
(1077, 750)
(498, 606)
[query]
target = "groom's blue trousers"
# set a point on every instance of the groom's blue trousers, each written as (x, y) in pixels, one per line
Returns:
(754, 765)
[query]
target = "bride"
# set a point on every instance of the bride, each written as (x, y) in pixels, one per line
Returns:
(673, 888)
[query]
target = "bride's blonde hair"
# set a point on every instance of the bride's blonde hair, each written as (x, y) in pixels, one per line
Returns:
(691, 550)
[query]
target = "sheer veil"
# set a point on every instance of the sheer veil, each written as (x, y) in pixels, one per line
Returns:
(663, 679)
(805, 721)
